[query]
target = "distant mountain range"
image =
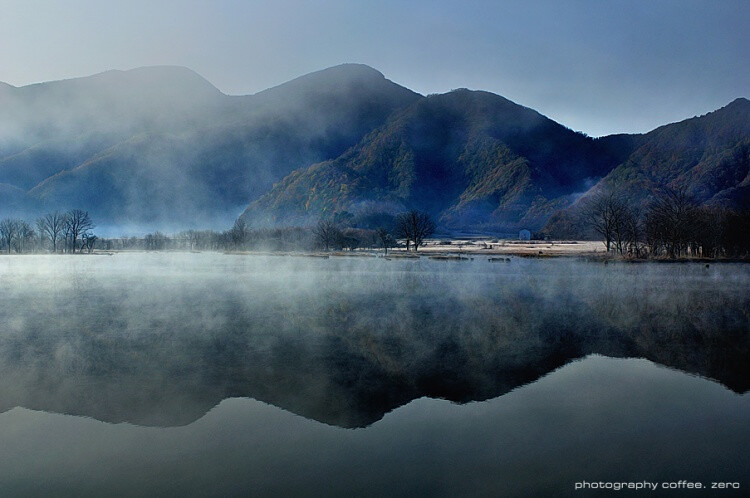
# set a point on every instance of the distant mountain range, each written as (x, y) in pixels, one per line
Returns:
(160, 147)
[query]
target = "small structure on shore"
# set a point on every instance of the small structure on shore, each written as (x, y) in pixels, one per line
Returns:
(524, 235)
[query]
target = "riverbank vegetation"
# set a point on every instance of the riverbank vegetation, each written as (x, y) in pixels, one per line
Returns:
(72, 232)
(672, 226)
(67, 232)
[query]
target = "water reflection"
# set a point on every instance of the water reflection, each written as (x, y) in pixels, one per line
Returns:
(595, 419)
(159, 340)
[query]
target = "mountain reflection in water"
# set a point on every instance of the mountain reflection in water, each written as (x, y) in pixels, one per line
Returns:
(160, 339)
(210, 359)
(597, 419)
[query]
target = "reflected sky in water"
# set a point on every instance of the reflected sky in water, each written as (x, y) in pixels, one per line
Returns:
(214, 374)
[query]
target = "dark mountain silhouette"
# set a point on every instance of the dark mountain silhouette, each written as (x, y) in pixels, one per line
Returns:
(470, 158)
(707, 156)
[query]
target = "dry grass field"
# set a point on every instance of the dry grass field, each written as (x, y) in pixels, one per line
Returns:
(510, 247)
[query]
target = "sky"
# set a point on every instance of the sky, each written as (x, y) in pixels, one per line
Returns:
(596, 66)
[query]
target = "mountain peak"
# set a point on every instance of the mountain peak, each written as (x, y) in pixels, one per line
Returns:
(738, 109)
(353, 69)
(481, 96)
(738, 103)
(178, 77)
(349, 70)
(159, 71)
(172, 79)
(334, 78)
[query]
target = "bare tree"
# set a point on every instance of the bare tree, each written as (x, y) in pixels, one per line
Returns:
(633, 230)
(386, 239)
(414, 226)
(25, 237)
(9, 228)
(77, 223)
(670, 221)
(41, 225)
(66, 230)
(50, 226)
(156, 241)
(88, 240)
(194, 238)
(403, 229)
(327, 234)
(606, 212)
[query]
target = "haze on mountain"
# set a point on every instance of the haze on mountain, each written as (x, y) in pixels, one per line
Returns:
(161, 148)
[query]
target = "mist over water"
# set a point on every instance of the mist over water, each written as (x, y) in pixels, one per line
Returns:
(168, 341)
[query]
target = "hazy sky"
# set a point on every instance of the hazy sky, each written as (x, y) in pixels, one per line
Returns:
(596, 66)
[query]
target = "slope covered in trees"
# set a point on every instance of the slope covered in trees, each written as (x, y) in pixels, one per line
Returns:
(471, 159)
(162, 148)
(706, 157)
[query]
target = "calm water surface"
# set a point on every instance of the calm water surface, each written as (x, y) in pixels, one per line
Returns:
(207, 374)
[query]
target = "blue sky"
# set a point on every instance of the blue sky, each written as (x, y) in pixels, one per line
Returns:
(596, 66)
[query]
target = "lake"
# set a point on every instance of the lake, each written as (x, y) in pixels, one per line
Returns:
(207, 374)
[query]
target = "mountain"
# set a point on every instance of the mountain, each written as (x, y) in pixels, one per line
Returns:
(123, 102)
(161, 146)
(708, 156)
(472, 159)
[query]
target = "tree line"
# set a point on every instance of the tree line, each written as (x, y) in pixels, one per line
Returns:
(327, 235)
(672, 225)
(72, 232)
(412, 227)
(69, 231)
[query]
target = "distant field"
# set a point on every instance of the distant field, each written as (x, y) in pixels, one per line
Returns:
(451, 246)
(513, 247)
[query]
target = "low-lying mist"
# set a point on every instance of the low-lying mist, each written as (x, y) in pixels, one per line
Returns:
(160, 338)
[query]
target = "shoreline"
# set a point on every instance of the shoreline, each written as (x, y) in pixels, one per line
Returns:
(442, 250)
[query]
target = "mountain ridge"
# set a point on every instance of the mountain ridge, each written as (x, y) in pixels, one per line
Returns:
(345, 141)
(453, 155)
(707, 156)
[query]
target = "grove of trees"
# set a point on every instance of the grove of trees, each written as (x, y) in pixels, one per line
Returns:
(414, 226)
(55, 232)
(672, 225)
